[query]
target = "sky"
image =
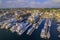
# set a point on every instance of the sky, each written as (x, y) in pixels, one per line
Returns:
(29, 3)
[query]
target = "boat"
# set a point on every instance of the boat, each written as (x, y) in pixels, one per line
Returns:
(45, 33)
(58, 28)
(13, 28)
(23, 28)
(30, 31)
(34, 26)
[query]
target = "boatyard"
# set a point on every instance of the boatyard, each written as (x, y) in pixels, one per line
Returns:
(31, 22)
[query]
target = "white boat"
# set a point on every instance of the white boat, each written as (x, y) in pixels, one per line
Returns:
(45, 33)
(13, 28)
(3, 26)
(39, 23)
(19, 27)
(30, 31)
(49, 23)
(58, 28)
(24, 28)
(34, 26)
(1, 23)
(10, 24)
(4, 23)
(48, 35)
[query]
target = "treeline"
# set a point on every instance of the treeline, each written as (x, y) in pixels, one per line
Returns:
(41, 9)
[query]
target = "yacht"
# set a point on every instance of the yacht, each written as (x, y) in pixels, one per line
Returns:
(45, 33)
(23, 28)
(58, 28)
(34, 26)
(13, 28)
(31, 30)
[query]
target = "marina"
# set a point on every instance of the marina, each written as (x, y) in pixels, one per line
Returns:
(27, 21)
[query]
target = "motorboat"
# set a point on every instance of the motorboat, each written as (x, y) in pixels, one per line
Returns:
(23, 28)
(45, 33)
(58, 28)
(29, 32)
